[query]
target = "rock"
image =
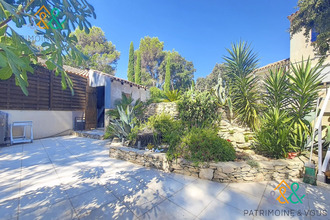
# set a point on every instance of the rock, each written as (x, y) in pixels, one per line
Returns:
(259, 177)
(206, 174)
(227, 169)
(248, 178)
(115, 140)
(238, 138)
(244, 146)
(219, 175)
(246, 168)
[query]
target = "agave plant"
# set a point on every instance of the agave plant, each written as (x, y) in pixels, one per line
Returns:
(172, 95)
(240, 64)
(304, 90)
(138, 106)
(123, 126)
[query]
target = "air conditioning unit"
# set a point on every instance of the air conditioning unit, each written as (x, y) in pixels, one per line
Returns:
(3, 127)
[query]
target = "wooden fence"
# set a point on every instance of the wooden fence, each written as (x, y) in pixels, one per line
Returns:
(45, 93)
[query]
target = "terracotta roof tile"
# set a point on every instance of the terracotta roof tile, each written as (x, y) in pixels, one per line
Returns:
(85, 73)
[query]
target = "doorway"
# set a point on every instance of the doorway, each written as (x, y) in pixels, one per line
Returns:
(100, 106)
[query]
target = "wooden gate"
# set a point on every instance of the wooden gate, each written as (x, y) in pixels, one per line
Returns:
(91, 108)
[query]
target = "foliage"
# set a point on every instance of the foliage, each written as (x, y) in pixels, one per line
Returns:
(274, 137)
(277, 88)
(172, 96)
(253, 163)
(204, 145)
(200, 110)
(203, 84)
(182, 71)
(240, 63)
(125, 101)
(156, 95)
(170, 130)
(304, 89)
(130, 71)
(221, 91)
(17, 54)
(167, 75)
(123, 126)
(152, 55)
(102, 54)
(313, 15)
(138, 69)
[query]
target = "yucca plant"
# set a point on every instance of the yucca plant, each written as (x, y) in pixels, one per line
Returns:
(240, 64)
(277, 88)
(275, 134)
(123, 126)
(173, 95)
(304, 90)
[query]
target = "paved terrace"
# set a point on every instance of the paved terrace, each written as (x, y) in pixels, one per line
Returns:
(73, 178)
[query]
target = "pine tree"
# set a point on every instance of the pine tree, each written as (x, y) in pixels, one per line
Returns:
(138, 69)
(168, 75)
(130, 71)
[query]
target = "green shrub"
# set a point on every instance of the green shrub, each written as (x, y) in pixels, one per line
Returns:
(274, 137)
(169, 128)
(156, 95)
(253, 163)
(204, 145)
(172, 96)
(200, 110)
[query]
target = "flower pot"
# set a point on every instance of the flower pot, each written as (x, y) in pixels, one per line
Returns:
(292, 155)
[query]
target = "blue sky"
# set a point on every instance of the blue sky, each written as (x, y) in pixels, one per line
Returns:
(199, 30)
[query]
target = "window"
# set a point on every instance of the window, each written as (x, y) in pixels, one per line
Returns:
(314, 35)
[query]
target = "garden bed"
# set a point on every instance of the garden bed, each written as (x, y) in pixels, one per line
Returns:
(240, 171)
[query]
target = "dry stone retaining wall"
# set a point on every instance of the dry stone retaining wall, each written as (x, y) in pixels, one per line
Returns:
(158, 108)
(220, 172)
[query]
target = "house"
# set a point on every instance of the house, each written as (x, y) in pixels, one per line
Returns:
(302, 49)
(53, 110)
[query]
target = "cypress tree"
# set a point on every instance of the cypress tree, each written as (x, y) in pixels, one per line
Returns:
(168, 75)
(138, 68)
(130, 71)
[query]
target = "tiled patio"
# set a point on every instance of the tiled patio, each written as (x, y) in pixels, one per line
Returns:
(73, 178)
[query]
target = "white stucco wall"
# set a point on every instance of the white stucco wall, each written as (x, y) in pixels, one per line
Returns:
(45, 123)
(300, 48)
(117, 88)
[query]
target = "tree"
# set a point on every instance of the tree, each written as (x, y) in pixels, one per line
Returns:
(182, 71)
(152, 55)
(102, 54)
(240, 64)
(138, 69)
(168, 74)
(210, 80)
(17, 54)
(313, 16)
(130, 71)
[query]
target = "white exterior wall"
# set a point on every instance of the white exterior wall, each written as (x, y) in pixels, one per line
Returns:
(300, 48)
(45, 123)
(117, 88)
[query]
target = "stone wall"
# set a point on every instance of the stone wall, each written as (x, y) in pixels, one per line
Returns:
(158, 108)
(243, 171)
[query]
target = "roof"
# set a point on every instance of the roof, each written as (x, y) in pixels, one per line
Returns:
(284, 62)
(290, 17)
(85, 73)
